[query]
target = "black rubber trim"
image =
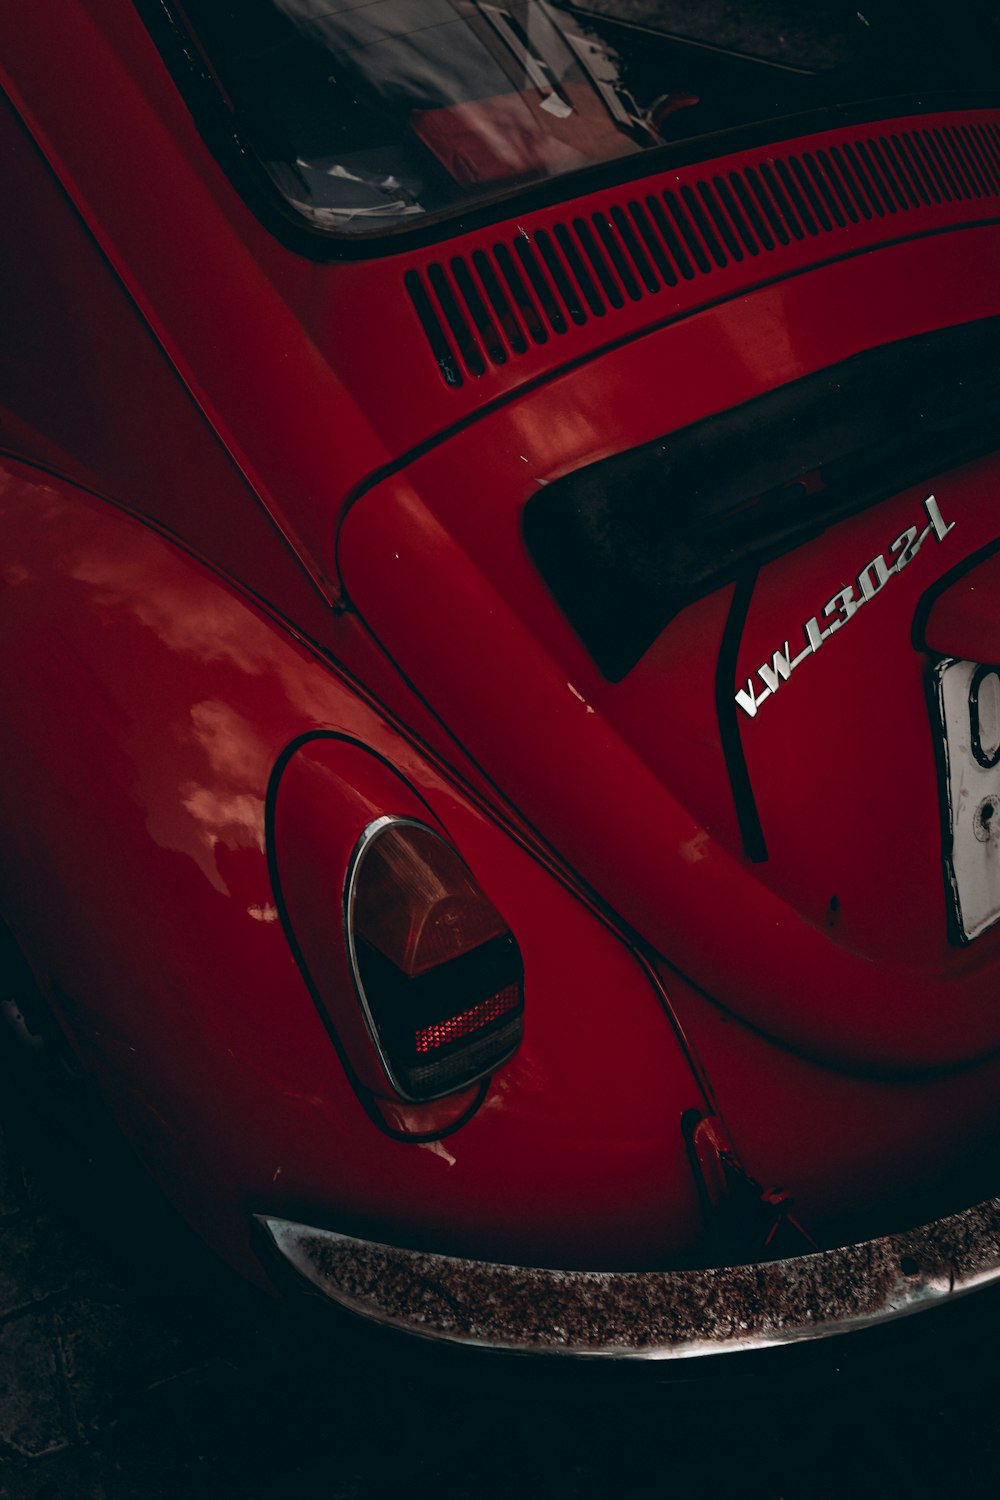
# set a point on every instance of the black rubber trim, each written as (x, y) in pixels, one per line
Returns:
(744, 801)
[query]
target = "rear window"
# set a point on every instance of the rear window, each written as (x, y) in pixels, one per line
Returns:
(370, 116)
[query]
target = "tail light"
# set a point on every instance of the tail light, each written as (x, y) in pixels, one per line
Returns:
(438, 972)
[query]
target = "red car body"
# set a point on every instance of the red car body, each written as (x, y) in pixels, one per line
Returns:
(267, 579)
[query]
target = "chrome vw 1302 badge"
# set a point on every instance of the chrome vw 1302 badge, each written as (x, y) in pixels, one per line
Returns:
(968, 696)
(842, 608)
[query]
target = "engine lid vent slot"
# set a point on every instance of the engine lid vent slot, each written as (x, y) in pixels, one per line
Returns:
(498, 301)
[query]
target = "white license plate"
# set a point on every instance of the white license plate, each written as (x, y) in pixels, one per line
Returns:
(969, 704)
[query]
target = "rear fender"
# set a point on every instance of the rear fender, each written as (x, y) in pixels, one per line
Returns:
(147, 704)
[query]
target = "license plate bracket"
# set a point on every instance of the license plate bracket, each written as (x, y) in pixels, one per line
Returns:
(968, 701)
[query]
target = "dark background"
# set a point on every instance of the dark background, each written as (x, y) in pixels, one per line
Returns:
(132, 1366)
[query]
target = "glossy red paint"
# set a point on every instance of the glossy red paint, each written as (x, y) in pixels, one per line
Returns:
(151, 805)
(962, 620)
(265, 580)
(649, 825)
(841, 1140)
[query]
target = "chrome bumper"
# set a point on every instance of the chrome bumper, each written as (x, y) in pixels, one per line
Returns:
(647, 1314)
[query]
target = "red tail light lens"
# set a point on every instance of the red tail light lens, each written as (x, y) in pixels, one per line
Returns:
(439, 974)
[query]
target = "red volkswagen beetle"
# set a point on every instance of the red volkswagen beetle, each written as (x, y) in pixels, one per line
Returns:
(501, 640)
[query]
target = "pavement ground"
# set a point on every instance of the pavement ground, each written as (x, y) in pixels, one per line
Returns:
(183, 1383)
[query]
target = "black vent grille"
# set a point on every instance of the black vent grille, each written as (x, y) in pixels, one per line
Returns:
(479, 311)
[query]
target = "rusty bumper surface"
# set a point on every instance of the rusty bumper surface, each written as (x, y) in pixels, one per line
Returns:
(648, 1314)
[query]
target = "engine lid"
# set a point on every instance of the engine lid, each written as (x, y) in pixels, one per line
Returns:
(760, 793)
